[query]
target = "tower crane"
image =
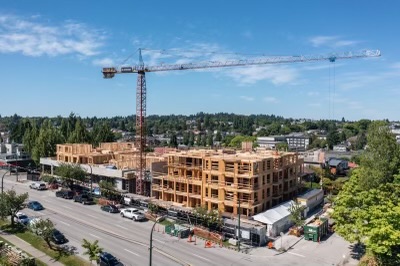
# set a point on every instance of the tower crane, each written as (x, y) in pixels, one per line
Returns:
(141, 69)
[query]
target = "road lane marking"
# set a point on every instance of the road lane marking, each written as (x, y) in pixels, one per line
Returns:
(95, 236)
(64, 223)
(91, 216)
(67, 207)
(296, 254)
(131, 252)
(120, 226)
(201, 257)
(158, 240)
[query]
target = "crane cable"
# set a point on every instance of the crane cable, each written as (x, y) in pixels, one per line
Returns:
(334, 89)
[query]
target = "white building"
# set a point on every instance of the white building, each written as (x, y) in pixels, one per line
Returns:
(270, 142)
(311, 200)
(276, 219)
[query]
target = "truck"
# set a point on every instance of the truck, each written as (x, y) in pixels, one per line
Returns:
(84, 199)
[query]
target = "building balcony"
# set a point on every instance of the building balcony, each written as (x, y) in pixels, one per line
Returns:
(181, 193)
(195, 195)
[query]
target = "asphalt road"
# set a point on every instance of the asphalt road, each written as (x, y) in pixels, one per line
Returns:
(129, 240)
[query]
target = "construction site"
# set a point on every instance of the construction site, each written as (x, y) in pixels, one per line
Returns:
(222, 180)
(109, 156)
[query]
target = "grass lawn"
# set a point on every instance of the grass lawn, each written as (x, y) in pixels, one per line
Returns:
(64, 256)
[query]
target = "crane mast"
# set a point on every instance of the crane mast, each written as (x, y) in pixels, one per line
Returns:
(141, 69)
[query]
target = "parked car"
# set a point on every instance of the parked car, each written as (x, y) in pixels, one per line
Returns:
(133, 214)
(65, 194)
(35, 205)
(22, 218)
(84, 199)
(106, 259)
(38, 186)
(58, 237)
(110, 208)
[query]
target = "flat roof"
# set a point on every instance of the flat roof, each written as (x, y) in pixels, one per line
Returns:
(311, 194)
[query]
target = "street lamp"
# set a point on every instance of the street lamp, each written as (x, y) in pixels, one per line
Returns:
(159, 219)
(2, 181)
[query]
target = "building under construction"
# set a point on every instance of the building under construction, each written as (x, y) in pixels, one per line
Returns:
(117, 160)
(221, 180)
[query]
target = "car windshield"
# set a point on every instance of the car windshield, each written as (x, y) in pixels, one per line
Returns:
(22, 217)
(57, 233)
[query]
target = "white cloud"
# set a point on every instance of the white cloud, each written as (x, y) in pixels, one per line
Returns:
(331, 41)
(104, 62)
(33, 38)
(253, 74)
(247, 98)
(270, 100)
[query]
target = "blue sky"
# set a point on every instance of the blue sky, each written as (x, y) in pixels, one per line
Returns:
(52, 53)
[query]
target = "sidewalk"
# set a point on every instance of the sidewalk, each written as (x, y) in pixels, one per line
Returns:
(26, 247)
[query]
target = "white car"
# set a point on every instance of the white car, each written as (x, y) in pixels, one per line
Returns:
(38, 186)
(22, 218)
(133, 214)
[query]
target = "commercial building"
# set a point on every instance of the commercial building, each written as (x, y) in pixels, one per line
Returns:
(14, 154)
(270, 142)
(297, 141)
(221, 179)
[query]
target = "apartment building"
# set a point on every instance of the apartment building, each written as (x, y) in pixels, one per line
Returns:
(221, 180)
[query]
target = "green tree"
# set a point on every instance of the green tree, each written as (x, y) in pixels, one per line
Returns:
(332, 138)
(367, 209)
(46, 228)
(92, 249)
(80, 133)
(70, 173)
(296, 214)
(12, 203)
(45, 144)
(381, 159)
(282, 146)
(218, 136)
(173, 141)
(361, 141)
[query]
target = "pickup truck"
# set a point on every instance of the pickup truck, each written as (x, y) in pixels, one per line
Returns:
(133, 214)
(84, 199)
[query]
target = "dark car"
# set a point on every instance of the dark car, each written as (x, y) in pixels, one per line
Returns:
(65, 194)
(110, 208)
(106, 259)
(35, 205)
(84, 199)
(58, 238)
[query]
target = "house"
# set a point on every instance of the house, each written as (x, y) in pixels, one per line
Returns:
(338, 166)
(276, 219)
